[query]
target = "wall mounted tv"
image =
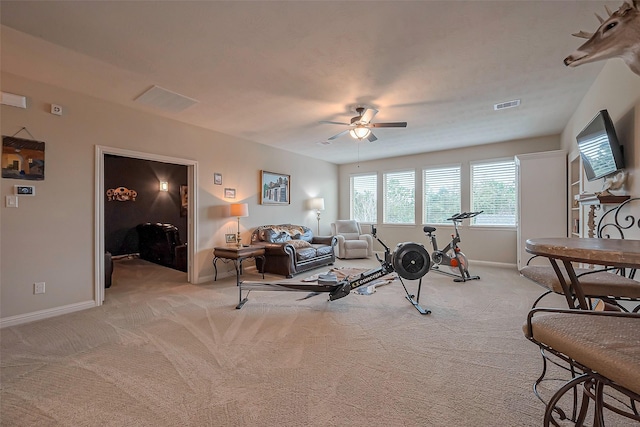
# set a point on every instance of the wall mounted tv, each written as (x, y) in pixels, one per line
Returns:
(599, 147)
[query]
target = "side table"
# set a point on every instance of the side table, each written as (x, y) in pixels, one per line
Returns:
(237, 255)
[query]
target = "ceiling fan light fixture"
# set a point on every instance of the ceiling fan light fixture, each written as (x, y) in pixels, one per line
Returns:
(359, 132)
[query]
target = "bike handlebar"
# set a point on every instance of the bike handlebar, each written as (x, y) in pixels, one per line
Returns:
(464, 215)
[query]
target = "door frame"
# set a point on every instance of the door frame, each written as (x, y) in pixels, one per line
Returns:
(192, 211)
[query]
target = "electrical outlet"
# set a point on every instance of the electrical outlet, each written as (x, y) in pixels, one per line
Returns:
(38, 288)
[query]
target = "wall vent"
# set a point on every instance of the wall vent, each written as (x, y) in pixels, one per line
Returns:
(505, 105)
(166, 100)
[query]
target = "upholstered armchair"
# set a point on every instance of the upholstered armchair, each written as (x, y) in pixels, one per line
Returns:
(352, 243)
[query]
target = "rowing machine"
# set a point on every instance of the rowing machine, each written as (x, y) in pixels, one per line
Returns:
(410, 260)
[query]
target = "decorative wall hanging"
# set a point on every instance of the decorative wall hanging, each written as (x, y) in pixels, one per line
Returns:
(22, 158)
(616, 37)
(121, 194)
(275, 188)
(217, 178)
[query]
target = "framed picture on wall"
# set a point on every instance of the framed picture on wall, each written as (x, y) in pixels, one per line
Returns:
(217, 178)
(230, 193)
(184, 200)
(275, 188)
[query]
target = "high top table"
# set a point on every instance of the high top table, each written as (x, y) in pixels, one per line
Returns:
(621, 253)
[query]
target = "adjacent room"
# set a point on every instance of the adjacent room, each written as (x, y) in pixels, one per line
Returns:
(319, 213)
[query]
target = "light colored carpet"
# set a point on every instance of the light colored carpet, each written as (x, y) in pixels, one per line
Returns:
(162, 352)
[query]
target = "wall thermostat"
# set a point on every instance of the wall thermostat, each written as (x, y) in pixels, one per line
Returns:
(24, 190)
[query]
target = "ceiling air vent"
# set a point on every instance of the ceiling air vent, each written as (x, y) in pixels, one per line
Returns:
(166, 100)
(324, 143)
(508, 104)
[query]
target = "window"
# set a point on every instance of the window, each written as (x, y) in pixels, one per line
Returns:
(441, 194)
(364, 198)
(399, 197)
(493, 190)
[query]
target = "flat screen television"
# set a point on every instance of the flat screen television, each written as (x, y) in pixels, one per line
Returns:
(599, 147)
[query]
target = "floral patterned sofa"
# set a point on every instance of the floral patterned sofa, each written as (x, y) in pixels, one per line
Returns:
(292, 249)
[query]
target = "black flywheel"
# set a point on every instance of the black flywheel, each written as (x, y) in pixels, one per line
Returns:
(410, 260)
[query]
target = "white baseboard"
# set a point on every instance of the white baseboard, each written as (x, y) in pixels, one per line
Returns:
(45, 314)
(492, 264)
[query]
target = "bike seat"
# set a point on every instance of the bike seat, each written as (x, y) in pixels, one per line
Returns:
(428, 229)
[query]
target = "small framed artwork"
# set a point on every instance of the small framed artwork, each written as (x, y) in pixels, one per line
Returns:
(230, 193)
(184, 200)
(275, 188)
(230, 238)
(217, 178)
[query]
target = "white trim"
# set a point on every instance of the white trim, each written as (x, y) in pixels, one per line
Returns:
(192, 219)
(45, 314)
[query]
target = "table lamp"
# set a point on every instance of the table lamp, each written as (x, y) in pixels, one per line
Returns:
(240, 210)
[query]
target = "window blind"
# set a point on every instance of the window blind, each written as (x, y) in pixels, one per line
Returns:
(441, 194)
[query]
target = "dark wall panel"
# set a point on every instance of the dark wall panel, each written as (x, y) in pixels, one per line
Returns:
(151, 205)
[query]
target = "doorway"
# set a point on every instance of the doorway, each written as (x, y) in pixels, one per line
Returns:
(100, 153)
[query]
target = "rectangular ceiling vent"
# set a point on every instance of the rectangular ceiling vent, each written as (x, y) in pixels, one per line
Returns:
(166, 100)
(505, 105)
(324, 143)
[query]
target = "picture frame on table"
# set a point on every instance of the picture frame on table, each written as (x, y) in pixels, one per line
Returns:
(275, 188)
(230, 238)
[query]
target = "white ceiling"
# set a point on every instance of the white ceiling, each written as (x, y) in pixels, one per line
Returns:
(269, 71)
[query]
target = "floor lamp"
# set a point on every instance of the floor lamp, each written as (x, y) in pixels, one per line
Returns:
(240, 210)
(318, 205)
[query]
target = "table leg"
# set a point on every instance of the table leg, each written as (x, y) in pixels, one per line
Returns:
(215, 269)
(566, 289)
(582, 300)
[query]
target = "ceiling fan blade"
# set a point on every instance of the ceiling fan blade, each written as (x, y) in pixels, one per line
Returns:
(338, 135)
(327, 122)
(389, 125)
(372, 137)
(368, 115)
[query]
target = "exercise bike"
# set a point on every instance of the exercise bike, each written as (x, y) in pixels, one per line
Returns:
(451, 255)
(410, 260)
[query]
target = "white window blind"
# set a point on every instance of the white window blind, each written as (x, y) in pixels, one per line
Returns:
(493, 190)
(364, 198)
(399, 197)
(441, 194)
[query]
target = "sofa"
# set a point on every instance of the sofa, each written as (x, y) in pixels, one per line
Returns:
(291, 249)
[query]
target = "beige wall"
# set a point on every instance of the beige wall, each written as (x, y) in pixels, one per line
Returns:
(50, 237)
(617, 90)
(478, 243)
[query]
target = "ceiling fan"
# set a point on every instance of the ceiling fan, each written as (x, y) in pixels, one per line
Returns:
(360, 126)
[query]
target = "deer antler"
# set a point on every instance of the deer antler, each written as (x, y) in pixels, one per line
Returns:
(599, 18)
(583, 35)
(608, 10)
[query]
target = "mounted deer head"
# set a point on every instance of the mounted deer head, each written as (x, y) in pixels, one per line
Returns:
(618, 36)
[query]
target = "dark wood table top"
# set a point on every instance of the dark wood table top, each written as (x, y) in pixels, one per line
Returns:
(611, 252)
(234, 252)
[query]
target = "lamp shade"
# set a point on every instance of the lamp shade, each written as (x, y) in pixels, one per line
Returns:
(317, 203)
(239, 209)
(359, 132)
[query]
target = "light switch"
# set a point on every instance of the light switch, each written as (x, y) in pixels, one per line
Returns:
(12, 201)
